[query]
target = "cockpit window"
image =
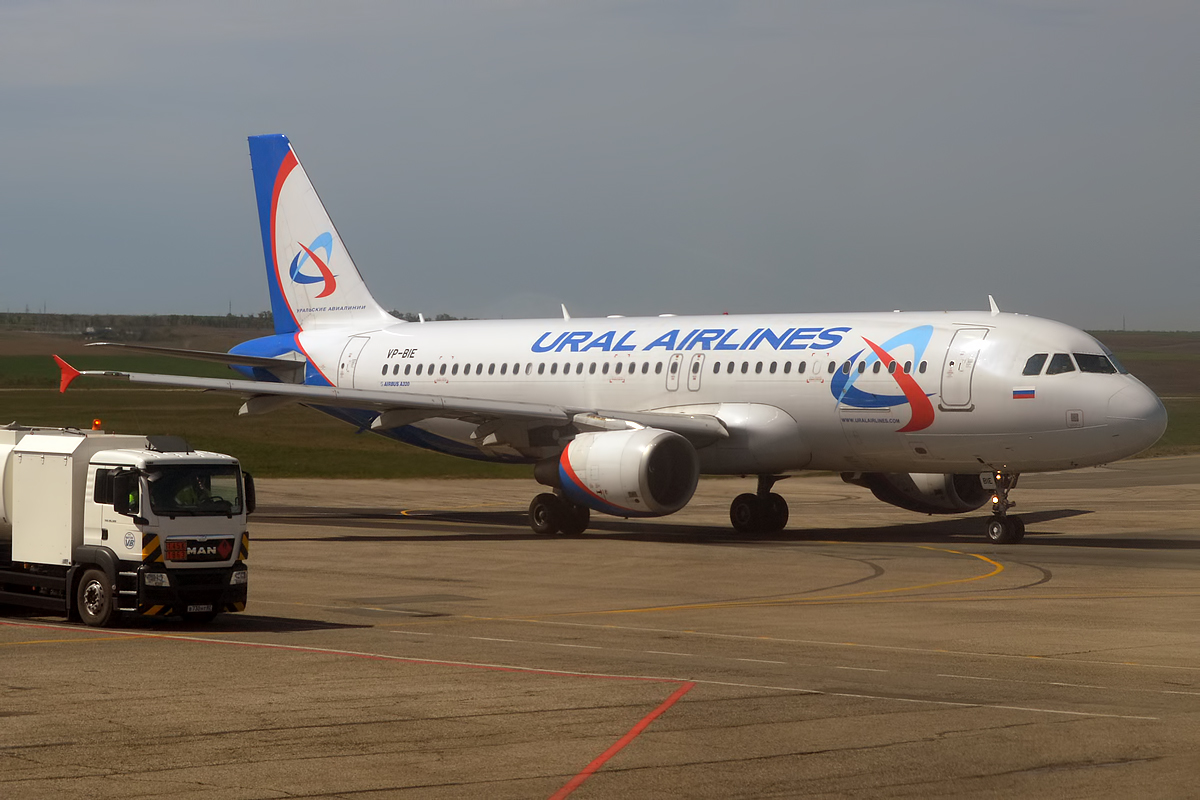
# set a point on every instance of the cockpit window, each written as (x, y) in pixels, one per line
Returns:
(1035, 363)
(1120, 367)
(1060, 363)
(1091, 362)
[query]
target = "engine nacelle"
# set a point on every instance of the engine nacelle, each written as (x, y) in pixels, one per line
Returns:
(635, 473)
(924, 492)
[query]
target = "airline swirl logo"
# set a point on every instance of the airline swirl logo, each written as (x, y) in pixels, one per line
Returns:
(844, 389)
(324, 242)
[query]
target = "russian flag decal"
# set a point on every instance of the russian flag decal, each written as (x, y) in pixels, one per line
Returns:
(1023, 394)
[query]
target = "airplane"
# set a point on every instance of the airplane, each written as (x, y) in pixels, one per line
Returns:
(934, 412)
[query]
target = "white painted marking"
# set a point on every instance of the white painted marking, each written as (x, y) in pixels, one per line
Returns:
(863, 669)
(490, 639)
(759, 661)
(665, 653)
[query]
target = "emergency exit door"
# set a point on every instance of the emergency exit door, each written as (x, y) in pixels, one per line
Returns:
(959, 368)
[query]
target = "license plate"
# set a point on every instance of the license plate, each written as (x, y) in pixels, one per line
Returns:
(199, 609)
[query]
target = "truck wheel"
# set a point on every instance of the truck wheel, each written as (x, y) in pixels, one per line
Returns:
(94, 599)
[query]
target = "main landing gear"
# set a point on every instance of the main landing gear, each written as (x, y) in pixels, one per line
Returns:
(550, 514)
(764, 512)
(1001, 528)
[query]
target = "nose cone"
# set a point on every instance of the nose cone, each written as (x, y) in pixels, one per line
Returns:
(1137, 416)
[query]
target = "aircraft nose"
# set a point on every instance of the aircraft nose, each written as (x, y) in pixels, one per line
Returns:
(1138, 414)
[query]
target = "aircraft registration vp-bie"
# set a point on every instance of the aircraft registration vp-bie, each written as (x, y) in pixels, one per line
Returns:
(935, 412)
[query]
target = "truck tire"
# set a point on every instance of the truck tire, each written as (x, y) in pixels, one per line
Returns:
(95, 599)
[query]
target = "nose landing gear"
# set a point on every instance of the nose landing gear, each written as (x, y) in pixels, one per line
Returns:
(1001, 528)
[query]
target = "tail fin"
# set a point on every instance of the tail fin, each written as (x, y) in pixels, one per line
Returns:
(312, 281)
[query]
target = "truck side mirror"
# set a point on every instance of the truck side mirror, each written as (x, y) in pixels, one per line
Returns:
(251, 498)
(124, 492)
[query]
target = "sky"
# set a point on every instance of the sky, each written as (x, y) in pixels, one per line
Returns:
(496, 159)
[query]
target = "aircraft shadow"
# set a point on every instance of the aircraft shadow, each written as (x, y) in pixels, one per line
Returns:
(475, 525)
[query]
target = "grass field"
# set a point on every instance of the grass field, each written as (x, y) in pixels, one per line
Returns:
(300, 442)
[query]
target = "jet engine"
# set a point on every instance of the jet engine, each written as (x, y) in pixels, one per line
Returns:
(632, 473)
(924, 492)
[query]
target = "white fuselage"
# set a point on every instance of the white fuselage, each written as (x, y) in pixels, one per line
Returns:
(797, 391)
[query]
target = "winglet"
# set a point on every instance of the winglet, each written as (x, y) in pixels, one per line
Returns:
(992, 303)
(69, 374)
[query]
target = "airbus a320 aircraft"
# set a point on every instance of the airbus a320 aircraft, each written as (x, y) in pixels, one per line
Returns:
(933, 412)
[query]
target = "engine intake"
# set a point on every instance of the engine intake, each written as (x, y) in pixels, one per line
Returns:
(636, 473)
(924, 492)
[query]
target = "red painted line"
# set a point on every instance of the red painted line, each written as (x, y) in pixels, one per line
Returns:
(633, 733)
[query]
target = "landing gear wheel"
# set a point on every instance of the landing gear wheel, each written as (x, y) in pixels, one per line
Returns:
(96, 600)
(774, 513)
(575, 519)
(1005, 530)
(744, 513)
(546, 513)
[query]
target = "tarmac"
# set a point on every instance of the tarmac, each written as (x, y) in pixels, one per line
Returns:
(416, 639)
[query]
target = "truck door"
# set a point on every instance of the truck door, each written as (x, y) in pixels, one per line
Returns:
(959, 367)
(349, 360)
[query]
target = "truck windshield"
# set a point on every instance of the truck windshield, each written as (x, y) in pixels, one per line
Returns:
(195, 490)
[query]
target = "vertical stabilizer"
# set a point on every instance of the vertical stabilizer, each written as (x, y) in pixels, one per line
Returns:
(312, 281)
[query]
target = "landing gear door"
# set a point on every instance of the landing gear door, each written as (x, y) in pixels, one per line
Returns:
(959, 368)
(349, 360)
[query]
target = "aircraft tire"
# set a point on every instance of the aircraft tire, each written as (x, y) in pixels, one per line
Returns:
(1005, 530)
(575, 519)
(745, 513)
(546, 512)
(774, 513)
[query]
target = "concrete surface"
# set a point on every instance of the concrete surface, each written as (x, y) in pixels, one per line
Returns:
(415, 639)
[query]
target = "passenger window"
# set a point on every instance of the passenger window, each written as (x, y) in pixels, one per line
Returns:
(758, 368)
(384, 370)
(1035, 363)
(787, 367)
(907, 367)
(832, 367)
(407, 369)
(658, 368)
(604, 368)
(696, 368)
(729, 369)
(592, 368)
(862, 367)
(491, 369)
(674, 367)
(745, 367)
(553, 369)
(529, 369)
(419, 368)
(645, 367)
(541, 369)
(875, 369)
(453, 371)
(618, 370)
(921, 368)
(716, 368)
(846, 368)
(442, 371)
(800, 367)
(479, 368)
(771, 368)
(467, 369)
(892, 368)
(567, 368)
(1090, 362)
(1060, 363)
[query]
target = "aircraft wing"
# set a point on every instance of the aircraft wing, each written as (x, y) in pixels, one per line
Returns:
(700, 429)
